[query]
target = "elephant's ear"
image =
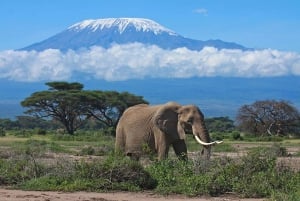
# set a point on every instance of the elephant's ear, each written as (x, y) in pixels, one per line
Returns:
(166, 119)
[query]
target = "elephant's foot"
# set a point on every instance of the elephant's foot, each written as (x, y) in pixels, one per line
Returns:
(133, 156)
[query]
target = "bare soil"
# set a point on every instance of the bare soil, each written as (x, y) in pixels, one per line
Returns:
(19, 195)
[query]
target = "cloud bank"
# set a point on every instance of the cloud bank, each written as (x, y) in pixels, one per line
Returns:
(122, 62)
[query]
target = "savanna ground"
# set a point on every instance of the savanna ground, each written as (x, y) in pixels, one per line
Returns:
(41, 167)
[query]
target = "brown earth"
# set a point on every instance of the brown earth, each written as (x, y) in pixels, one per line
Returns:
(19, 195)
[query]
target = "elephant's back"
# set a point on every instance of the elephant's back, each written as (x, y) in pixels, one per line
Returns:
(137, 113)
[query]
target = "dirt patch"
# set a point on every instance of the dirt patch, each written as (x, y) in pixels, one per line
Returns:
(18, 195)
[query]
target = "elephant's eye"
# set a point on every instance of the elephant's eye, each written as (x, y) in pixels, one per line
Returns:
(190, 120)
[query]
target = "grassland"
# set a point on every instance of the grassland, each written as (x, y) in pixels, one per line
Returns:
(86, 161)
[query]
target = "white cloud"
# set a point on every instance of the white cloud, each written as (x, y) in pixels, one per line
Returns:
(122, 62)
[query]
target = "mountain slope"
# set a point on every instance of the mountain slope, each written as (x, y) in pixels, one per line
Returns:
(105, 32)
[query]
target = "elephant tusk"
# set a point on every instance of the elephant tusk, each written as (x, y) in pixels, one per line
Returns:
(205, 143)
(218, 142)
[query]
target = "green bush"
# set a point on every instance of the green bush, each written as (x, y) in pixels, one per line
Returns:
(275, 150)
(289, 196)
(17, 170)
(88, 150)
(41, 131)
(253, 175)
(270, 139)
(2, 132)
(217, 135)
(114, 173)
(235, 135)
(224, 147)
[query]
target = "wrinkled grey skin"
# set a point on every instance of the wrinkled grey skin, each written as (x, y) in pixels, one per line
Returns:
(158, 127)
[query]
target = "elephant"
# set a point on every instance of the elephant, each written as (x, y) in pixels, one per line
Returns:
(160, 126)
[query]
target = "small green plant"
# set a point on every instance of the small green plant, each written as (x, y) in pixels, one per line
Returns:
(235, 135)
(289, 196)
(41, 131)
(88, 150)
(224, 147)
(217, 135)
(2, 132)
(275, 150)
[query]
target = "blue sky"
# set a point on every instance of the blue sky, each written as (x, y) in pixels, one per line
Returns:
(259, 24)
(272, 27)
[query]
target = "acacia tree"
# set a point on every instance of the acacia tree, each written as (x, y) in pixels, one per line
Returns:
(220, 124)
(62, 102)
(108, 106)
(269, 117)
(72, 106)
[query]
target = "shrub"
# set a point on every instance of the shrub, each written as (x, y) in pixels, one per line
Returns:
(172, 176)
(235, 135)
(253, 175)
(88, 150)
(2, 132)
(114, 173)
(290, 196)
(275, 150)
(224, 147)
(41, 131)
(16, 170)
(217, 135)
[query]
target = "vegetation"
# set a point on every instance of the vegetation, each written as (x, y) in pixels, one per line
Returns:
(28, 163)
(269, 117)
(220, 124)
(36, 154)
(256, 175)
(72, 106)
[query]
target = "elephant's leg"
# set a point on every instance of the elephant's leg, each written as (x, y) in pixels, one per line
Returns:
(163, 152)
(162, 146)
(180, 149)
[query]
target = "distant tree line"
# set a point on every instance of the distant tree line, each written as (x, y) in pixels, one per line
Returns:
(67, 105)
(220, 124)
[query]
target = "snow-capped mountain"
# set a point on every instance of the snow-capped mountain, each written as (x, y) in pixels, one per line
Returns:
(144, 25)
(105, 32)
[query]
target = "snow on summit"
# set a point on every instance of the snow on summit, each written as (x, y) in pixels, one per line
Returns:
(140, 24)
(109, 31)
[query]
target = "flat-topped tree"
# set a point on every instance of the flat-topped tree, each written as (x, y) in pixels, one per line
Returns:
(69, 104)
(63, 102)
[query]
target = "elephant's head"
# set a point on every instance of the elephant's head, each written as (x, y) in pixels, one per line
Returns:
(176, 120)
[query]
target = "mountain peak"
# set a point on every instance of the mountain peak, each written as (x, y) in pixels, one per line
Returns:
(109, 31)
(140, 24)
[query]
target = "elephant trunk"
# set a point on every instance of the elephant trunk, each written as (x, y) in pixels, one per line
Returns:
(202, 137)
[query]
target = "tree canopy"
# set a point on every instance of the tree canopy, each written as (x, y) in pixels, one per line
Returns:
(69, 104)
(220, 124)
(108, 106)
(269, 117)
